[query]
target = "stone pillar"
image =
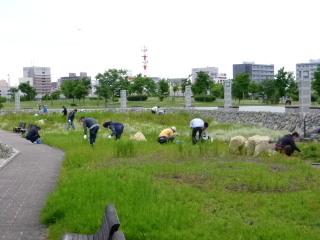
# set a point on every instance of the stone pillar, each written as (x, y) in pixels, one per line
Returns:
(123, 98)
(188, 96)
(17, 101)
(227, 94)
(304, 91)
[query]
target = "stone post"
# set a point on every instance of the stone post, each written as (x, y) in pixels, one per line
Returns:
(304, 91)
(188, 96)
(17, 101)
(227, 95)
(123, 99)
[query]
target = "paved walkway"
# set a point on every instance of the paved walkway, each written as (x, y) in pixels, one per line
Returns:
(25, 183)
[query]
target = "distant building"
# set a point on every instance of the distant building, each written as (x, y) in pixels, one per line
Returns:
(73, 76)
(39, 78)
(5, 89)
(257, 72)
(213, 73)
(306, 70)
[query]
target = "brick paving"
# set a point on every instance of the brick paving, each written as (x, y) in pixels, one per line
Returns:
(25, 183)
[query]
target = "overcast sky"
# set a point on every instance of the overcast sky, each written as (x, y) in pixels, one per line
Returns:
(93, 36)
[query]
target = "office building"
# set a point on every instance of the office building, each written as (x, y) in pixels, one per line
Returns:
(306, 70)
(39, 78)
(257, 72)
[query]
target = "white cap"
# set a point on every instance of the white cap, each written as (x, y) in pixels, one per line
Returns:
(174, 129)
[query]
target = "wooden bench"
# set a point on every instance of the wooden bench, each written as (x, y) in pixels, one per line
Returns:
(23, 130)
(20, 126)
(108, 229)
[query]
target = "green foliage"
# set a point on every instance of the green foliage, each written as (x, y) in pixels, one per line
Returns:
(282, 81)
(240, 86)
(217, 90)
(315, 84)
(202, 84)
(137, 97)
(29, 91)
(314, 97)
(55, 95)
(185, 82)
(268, 89)
(161, 97)
(143, 85)
(124, 148)
(73, 104)
(311, 151)
(163, 88)
(204, 98)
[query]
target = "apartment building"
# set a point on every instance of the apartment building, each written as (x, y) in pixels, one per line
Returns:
(306, 70)
(257, 72)
(39, 78)
(213, 73)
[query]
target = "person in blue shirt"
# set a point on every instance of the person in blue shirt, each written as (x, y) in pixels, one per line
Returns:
(115, 127)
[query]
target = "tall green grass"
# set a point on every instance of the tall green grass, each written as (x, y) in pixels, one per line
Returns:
(175, 190)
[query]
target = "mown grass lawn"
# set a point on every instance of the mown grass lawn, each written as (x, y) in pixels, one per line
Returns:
(178, 190)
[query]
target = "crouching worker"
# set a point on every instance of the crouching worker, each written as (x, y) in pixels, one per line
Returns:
(33, 135)
(287, 145)
(115, 127)
(166, 135)
(204, 134)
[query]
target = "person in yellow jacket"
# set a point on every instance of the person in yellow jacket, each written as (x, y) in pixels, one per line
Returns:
(166, 135)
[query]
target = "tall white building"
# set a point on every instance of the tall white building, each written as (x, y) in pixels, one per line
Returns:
(213, 73)
(39, 78)
(306, 70)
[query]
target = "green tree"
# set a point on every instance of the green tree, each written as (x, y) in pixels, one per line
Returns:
(268, 89)
(202, 84)
(28, 90)
(282, 81)
(315, 84)
(163, 87)
(143, 85)
(185, 82)
(2, 100)
(217, 90)
(240, 85)
(253, 87)
(13, 92)
(293, 89)
(67, 88)
(110, 82)
(80, 92)
(55, 95)
(175, 88)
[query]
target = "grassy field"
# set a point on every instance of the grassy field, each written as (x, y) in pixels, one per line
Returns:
(177, 190)
(151, 102)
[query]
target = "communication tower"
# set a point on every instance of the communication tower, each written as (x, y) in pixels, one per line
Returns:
(144, 49)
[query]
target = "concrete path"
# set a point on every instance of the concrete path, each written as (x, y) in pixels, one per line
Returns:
(25, 183)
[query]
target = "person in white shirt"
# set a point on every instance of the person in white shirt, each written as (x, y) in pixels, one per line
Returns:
(155, 109)
(197, 126)
(205, 135)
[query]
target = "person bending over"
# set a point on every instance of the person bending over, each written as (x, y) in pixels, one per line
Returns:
(115, 127)
(287, 145)
(93, 126)
(197, 126)
(33, 135)
(166, 135)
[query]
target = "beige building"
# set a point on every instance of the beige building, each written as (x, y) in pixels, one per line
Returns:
(39, 78)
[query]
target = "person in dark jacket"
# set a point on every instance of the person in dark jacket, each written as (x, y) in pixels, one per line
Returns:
(93, 126)
(70, 119)
(64, 112)
(115, 127)
(33, 135)
(287, 145)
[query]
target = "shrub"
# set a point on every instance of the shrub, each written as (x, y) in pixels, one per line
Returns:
(73, 104)
(314, 98)
(161, 97)
(137, 97)
(95, 98)
(204, 98)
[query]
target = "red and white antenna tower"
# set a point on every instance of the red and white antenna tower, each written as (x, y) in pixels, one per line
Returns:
(144, 61)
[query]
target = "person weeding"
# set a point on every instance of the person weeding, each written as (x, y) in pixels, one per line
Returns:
(93, 126)
(115, 127)
(155, 109)
(287, 145)
(70, 119)
(166, 135)
(197, 126)
(33, 135)
(64, 112)
(205, 135)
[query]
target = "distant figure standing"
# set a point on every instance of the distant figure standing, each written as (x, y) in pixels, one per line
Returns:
(45, 110)
(64, 112)
(39, 104)
(115, 127)
(155, 109)
(70, 119)
(93, 126)
(197, 126)
(33, 135)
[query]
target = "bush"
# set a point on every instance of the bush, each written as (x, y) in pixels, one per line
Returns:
(314, 97)
(137, 97)
(73, 104)
(204, 98)
(161, 97)
(95, 98)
